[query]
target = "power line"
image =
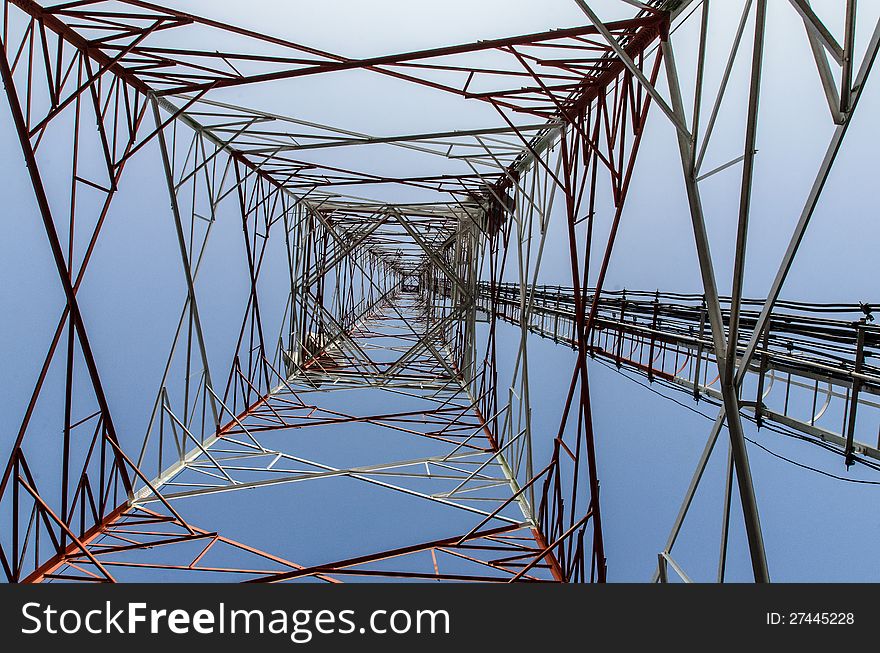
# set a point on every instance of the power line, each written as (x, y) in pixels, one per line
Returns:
(757, 444)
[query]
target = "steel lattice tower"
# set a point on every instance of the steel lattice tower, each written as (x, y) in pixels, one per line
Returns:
(373, 325)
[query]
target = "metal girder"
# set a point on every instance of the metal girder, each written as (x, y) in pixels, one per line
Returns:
(399, 300)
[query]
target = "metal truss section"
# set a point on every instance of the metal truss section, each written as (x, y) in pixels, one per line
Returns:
(813, 371)
(332, 337)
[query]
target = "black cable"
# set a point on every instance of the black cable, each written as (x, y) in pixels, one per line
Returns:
(760, 446)
(813, 469)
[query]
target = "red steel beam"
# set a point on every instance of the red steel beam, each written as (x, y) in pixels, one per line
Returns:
(648, 29)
